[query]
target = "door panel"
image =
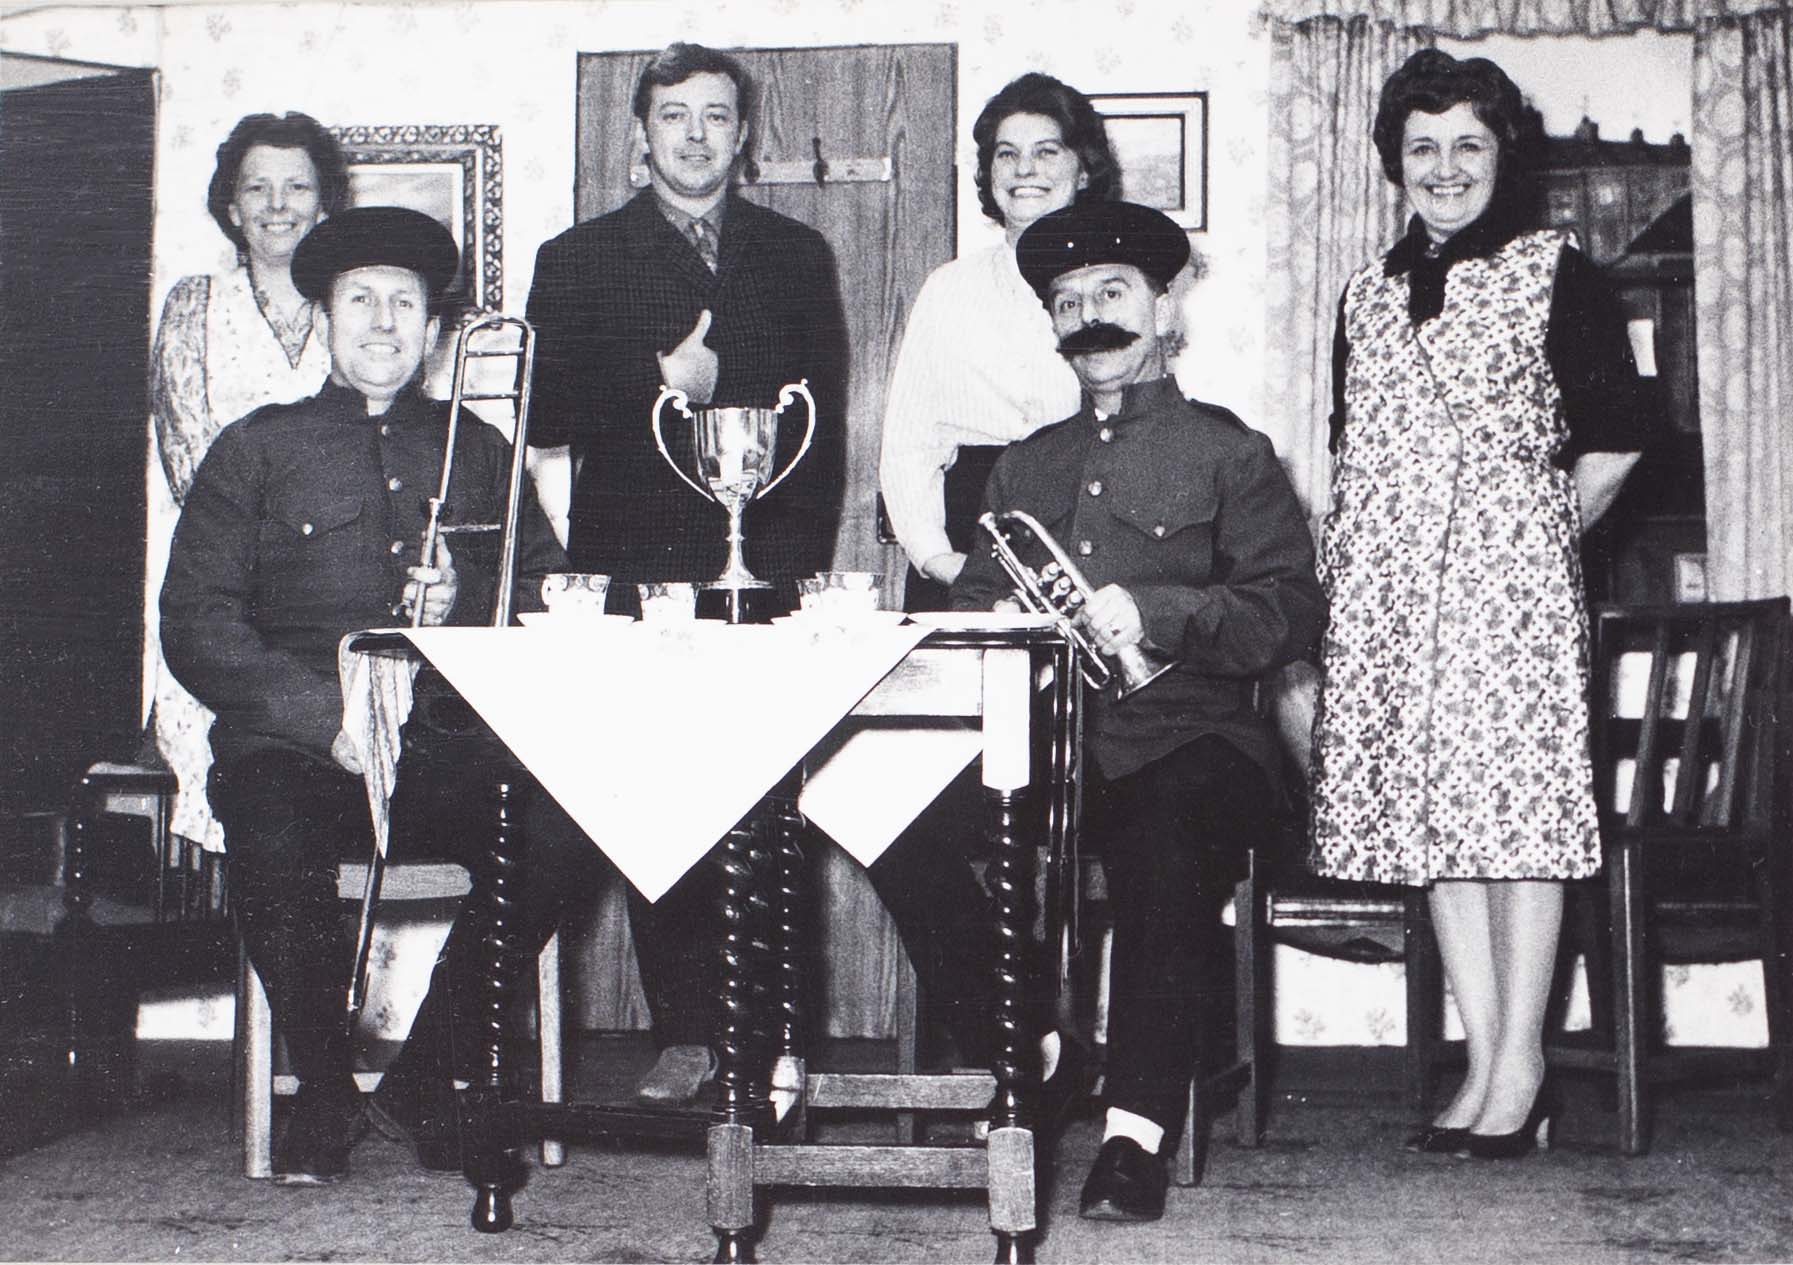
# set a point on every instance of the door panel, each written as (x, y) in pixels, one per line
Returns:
(869, 102)
(75, 214)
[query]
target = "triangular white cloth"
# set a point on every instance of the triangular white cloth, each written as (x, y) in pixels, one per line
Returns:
(658, 739)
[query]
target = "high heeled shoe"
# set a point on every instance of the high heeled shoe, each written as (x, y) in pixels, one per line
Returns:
(1537, 1133)
(1437, 1139)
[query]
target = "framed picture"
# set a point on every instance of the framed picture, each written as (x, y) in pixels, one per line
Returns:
(453, 173)
(1690, 577)
(1161, 142)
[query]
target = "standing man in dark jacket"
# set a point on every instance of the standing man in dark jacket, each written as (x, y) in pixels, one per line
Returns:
(1185, 524)
(302, 526)
(694, 287)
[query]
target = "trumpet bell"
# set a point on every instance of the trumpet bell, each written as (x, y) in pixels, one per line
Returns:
(1057, 588)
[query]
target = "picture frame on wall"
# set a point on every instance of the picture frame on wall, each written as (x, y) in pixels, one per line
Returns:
(1161, 142)
(451, 172)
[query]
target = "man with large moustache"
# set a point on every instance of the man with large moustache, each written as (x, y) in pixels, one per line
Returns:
(1184, 522)
(302, 526)
(693, 286)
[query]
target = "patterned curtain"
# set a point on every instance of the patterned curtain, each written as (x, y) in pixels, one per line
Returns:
(1743, 269)
(1330, 210)
(1466, 19)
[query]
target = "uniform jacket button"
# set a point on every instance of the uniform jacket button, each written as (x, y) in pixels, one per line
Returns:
(1158, 530)
(1095, 487)
(1106, 434)
(305, 529)
(1085, 548)
(394, 484)
(396, 547)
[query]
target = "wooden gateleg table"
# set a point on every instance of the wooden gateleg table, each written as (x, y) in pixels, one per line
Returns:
(882, 722)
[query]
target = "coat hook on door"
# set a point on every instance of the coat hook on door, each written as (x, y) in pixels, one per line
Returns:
(821, 167)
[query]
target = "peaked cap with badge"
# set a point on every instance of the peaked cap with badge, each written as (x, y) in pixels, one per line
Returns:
(1087, 233)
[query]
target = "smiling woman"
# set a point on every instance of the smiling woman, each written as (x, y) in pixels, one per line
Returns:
(1486, 407)
(977, 368)
(228, 343)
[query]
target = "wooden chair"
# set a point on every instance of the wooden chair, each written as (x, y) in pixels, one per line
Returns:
(1279, 902)
(1691, 765)
(162, 919)
(418, 884)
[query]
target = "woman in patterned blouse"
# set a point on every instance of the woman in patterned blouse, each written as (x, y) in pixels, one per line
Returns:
(1486, 411)
(228, 343)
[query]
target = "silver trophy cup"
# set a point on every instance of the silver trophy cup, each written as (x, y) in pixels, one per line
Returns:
(736, 449)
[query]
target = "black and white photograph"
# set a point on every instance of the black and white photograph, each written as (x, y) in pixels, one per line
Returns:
(811, 630)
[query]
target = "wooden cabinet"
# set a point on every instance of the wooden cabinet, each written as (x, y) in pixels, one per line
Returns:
(1629, 204)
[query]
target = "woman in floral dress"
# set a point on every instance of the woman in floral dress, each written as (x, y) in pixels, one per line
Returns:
(228, 343)
(1486, 411)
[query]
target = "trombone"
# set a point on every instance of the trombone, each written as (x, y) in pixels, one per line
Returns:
(493, 336)
(1060, 590)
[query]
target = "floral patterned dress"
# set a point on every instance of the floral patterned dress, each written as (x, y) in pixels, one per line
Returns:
(216, 358)
(1452, 737)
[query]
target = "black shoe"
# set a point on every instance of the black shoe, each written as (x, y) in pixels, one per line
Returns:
(437, 1147)
(314, 1149)
(1437, 1139)
(1126, 1183)
(419, 1109)
(1534, 1135)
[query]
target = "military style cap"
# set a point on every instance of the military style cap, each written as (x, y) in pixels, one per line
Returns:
(1086, 233)
(372, 237)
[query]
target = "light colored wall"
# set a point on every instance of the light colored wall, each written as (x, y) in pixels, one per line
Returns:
(512, 63)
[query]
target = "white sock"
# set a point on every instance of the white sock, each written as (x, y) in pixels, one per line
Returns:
(1124, 1124)
(1049, 1045)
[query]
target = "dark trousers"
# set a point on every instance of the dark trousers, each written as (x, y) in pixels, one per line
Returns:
(289, 818)
(963, 497)
(1173, 838)
(941, 912)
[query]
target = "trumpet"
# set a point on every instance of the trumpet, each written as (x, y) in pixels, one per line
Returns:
(1060, 590)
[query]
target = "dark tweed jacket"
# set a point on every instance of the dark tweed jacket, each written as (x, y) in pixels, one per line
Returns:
(610, 293)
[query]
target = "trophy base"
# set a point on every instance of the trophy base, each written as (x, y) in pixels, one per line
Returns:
(738, 606)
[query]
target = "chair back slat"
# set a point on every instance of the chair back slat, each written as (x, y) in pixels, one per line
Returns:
(1689, 779)
(1727, 654)
(1733, 723)
(1646, 780)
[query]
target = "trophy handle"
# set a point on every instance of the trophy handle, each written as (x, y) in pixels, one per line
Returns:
(786, 393)
(681, 402)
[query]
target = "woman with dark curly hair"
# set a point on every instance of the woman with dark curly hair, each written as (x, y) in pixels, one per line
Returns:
(229, 343)
(977, 369)
(1486, 410)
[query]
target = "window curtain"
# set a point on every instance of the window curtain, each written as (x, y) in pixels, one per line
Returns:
(1743, 228)
(1330, 210)
(1743, 279)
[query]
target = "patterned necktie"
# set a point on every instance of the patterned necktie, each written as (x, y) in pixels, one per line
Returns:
(704, 238)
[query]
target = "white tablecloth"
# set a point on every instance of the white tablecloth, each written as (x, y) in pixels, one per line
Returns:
(657, 740)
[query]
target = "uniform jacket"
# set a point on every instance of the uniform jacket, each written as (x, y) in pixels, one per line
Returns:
(298, 529)
(610, 293)
(1186, 508)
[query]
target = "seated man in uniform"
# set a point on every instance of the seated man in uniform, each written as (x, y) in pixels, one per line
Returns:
(302, 525)
(1184, 523)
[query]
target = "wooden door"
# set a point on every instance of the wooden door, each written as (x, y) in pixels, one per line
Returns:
(890, 224)
(75, 215)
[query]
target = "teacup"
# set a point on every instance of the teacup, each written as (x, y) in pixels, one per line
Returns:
(836, 592)
(575, 592)
(667, 602)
